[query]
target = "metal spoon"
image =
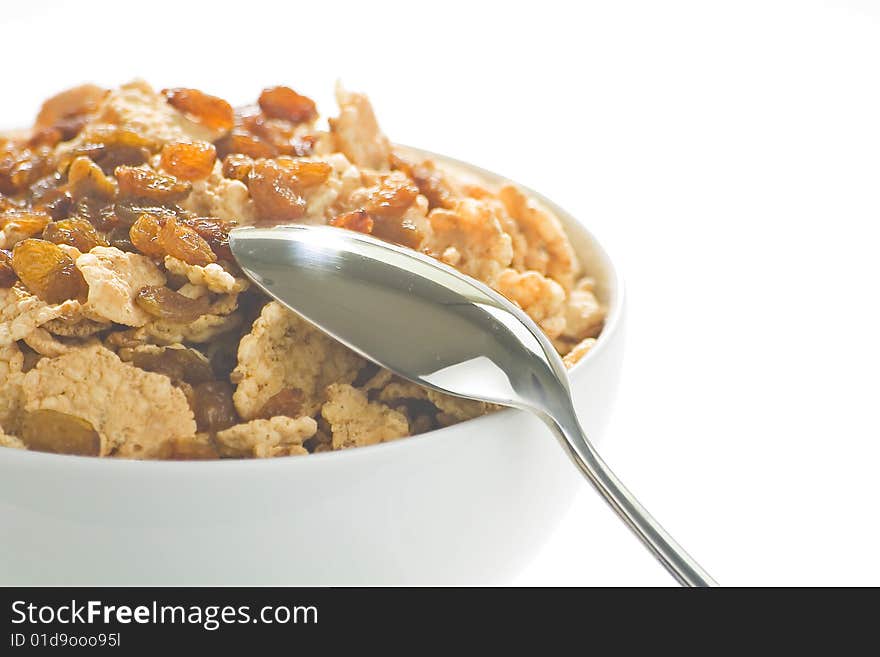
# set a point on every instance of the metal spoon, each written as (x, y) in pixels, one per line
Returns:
(432, 325)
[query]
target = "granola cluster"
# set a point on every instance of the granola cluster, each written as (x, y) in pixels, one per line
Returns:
(126, 328)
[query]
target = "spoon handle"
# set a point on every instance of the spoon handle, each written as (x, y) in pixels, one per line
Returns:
(673, 557)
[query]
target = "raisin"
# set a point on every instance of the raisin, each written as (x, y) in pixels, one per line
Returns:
(387, 206)
(180, 364)
(60, 206)
(23, 222)
(44, 137)
(46, 188)
(215, 232)
(391, 200)
(358, 220)
(285, 103)
(119, 238)
(69, 108)
(165, 303)
(110, 147)
(213, 407)
(430, 182)
(189, 160)
(190, 449)
(19, 168)
(144, 235)
(117, 156)
(239, 141)
(47, 271)
(398, 231)
(212, 112)
(288, 402)
(237, 167)
(274, 192)
(76, 232)
(184, 243)
(135, 182)
(45, 430)
(280, 134)
(88, 179)
(97, 212)
(7, 273)
(305, 173)
(127, 212)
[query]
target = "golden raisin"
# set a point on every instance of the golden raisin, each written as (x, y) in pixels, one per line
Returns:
(129, 211)
(392, 199)
(190, 449)
(212, 112)
(96, 211)
(23, 222)
(7, 273)
(180, 364)
(282, 135)
(288, 402)
(358, 220)
(47, 271)
(189, 160)
(165, 303)
(213, 407)
(274, 192)
(239, 141)
(215, 232)
(184, 243)
(135, 182)
(237, 167)
(387, 206)
(305, 172)
(68, 106)
(119, 238)
(75, 231)
(88, 179)
(144, 235)
(285, 103)
(430, 182)
(44, 137)
(20, 167)
(45, 430)
(110, 147)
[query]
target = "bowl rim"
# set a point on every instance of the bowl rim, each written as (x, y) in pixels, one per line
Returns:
(612, 280)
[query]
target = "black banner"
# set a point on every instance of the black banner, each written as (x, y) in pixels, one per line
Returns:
(122, 620)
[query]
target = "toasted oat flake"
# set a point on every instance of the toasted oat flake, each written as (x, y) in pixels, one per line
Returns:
(471, 239)
(114, 278)
(549, 250)
(21, 312)
(86, 383)
(357, 132)
(278, 436)
(355, 421)
(213, 276)
(284, 351)
(542, 298)
(224, 198)
(11, 377)
(458, 409)
(580, 350)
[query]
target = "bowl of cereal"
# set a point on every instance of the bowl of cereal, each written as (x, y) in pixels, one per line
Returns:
(162, 421)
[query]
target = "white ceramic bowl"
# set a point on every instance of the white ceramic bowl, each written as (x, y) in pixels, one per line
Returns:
(468, 504)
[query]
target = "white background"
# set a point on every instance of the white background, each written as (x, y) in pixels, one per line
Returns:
(727, 153)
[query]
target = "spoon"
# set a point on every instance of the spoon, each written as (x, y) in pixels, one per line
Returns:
(430, 324)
